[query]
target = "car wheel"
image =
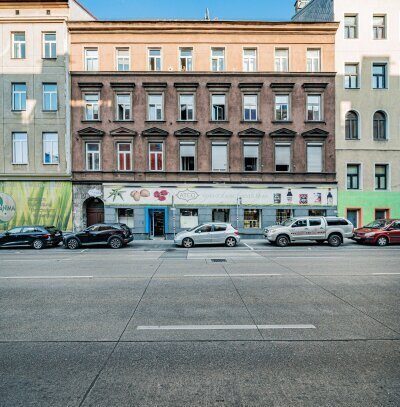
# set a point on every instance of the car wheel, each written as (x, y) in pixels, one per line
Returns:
(187, 242)
(115, 243)
(282, 241)
(230, 242)
(72, 244)
(334, 240)
(382, 241)
(38, 244)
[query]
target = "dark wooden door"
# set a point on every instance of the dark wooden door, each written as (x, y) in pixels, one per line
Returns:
(95, 212)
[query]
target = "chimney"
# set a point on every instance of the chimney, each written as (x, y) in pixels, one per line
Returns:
(300, 4)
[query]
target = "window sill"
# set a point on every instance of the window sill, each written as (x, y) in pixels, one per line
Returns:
(352, 139)
(19, 163)
(187, 121)
(155, 121)
(91, 121)
(123, 121)
(49, 59)
(250, 121)
(18, 111)
(380, 88)
(315, 121)
(218, 121)
(49, 111)
(282, 121)
(381, 140)
(357, 88)
(46, 164)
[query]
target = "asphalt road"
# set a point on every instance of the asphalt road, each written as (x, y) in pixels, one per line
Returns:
(155, 325)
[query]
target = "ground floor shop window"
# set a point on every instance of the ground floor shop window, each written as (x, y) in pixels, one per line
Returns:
(125, 215)
(317, 212)
(220, 215)
(283, 214)
(252, 218)
(189, 218)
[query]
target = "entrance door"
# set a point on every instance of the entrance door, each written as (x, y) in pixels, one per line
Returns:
(94, 211)
(353, 216)
(158, 223)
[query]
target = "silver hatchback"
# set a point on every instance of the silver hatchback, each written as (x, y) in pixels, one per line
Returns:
(209, 233)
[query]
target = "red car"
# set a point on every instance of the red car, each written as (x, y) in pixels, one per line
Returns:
(380, 232)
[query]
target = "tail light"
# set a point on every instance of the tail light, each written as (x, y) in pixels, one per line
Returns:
(236, 232)
(46, 236)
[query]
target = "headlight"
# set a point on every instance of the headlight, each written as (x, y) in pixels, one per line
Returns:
(371, 234)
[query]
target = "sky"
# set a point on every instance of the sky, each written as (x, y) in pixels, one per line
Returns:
(191, 9)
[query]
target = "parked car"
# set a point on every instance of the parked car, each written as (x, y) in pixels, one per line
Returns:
(380, 232)
(34, 236)
(209, 233)
(115, 235)
(321, 229)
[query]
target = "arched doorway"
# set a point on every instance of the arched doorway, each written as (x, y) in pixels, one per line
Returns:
(94, 211)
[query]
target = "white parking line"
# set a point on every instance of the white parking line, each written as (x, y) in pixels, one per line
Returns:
(385, 274)
(42, 277)
(232, 275)
(220, 327)
(248, 246)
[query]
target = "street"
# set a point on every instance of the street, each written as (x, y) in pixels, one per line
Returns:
(156, 325)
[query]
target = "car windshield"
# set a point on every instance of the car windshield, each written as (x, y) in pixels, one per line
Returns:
(198, 226)
(288, 222)
(377, 224)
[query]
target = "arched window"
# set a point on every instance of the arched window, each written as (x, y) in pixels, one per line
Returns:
(380, 126)
(351, 125)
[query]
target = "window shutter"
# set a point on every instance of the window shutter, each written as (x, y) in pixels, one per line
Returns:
(282, 155)
(314, 158)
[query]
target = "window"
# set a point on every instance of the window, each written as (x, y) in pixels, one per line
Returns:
(250, 154)
(313, 60)
(250, 104)
(385, 214)
(218, 107)
(91, 59)
(49, 45)
(124, 106)
(314, 108)
(217, 59)
(155, 108)
(301, 223)
(219, 228)
(353, 176)
(351, 126)
(50, 103)
(379, 27)
(314, 157)
(283, 214)
(282, 107)
(380, 126)
(315, 222)
(92, 106)
(18, 97)
(381, 176)
(126, 215)
(249, 60)
(18, 45)
(93, 156)
(188, 155)
(20, 148)
(156, 156)
(123, 59)
(350, 27)
(282, 60)
(220, 215)
(282, 157)
(351, 76)
(155, 59)
(50, 148)
(185, 59)
(252, 218)
(379, 76)
(189, 218)
(219, 157)
(317, 212)
(186, 107)
(124, 151)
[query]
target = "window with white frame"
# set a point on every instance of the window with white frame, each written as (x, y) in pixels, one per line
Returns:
(350, 26)
(282, 157)
(314, 157)
(281, 60)
(250, 107)
(187, 151)
(18, 45)
(189, 218)
(124, 152)
(314, 112)
(155, 110)
(282, 107)
(217, 59)
(20, 148)
(18, 100)
(156, 156)
(186, 106)
(50, 148)
(313, 60)
(379, 27)
(123, 59)
(154, 59)
(91, 59)
(252, 218)
(92, 111)
(49, 45)
(249, 60)
(124, 107)
(250, 155)
(186, 59)
(126, 215)
(219, 156)
(218, 107)
(93, 156)
(351, 76)
(50, 103)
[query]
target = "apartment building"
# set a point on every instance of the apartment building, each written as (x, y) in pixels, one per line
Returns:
(35, 153)
(367, 113)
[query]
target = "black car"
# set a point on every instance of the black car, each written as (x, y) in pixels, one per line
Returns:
(34, 236)
(115, 235)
